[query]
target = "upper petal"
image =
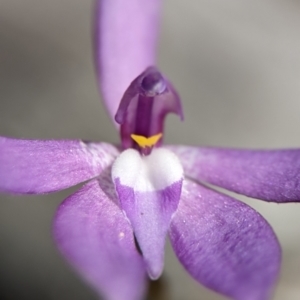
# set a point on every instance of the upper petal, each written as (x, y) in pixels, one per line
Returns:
(271, 175)
(225, 244)
(95, 237)
(149, 190)
(34, 167)
(126, 35)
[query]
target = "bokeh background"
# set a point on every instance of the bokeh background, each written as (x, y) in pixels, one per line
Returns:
(236, 64)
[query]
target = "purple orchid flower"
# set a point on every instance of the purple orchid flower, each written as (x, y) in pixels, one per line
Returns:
(113, 229)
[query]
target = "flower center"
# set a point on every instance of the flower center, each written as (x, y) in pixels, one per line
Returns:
(142, 110)
(146, 144)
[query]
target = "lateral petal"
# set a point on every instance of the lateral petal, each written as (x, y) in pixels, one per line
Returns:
(149, 189)
(37, 167)
(126, 36)
(224, 244)
(94, 236)
(270, 175)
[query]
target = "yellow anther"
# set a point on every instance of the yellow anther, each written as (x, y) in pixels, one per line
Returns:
(144, 142)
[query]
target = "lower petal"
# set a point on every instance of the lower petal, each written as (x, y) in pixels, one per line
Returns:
(92, 233)
(224, 244)
(149, 188)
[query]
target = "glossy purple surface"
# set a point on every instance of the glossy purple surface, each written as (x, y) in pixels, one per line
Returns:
(144, 106)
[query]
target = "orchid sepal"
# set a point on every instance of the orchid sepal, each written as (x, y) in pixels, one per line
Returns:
(270, 175)
(94, 236)
(40, 167)
(126, 38)
(225, 244)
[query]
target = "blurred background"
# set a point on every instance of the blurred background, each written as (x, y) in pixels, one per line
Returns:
(236, 64)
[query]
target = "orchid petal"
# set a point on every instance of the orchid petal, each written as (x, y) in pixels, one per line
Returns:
(271, 175)
(149, 190)
(95, 237)
(36, 167)
(126, 38)
(224, 244)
